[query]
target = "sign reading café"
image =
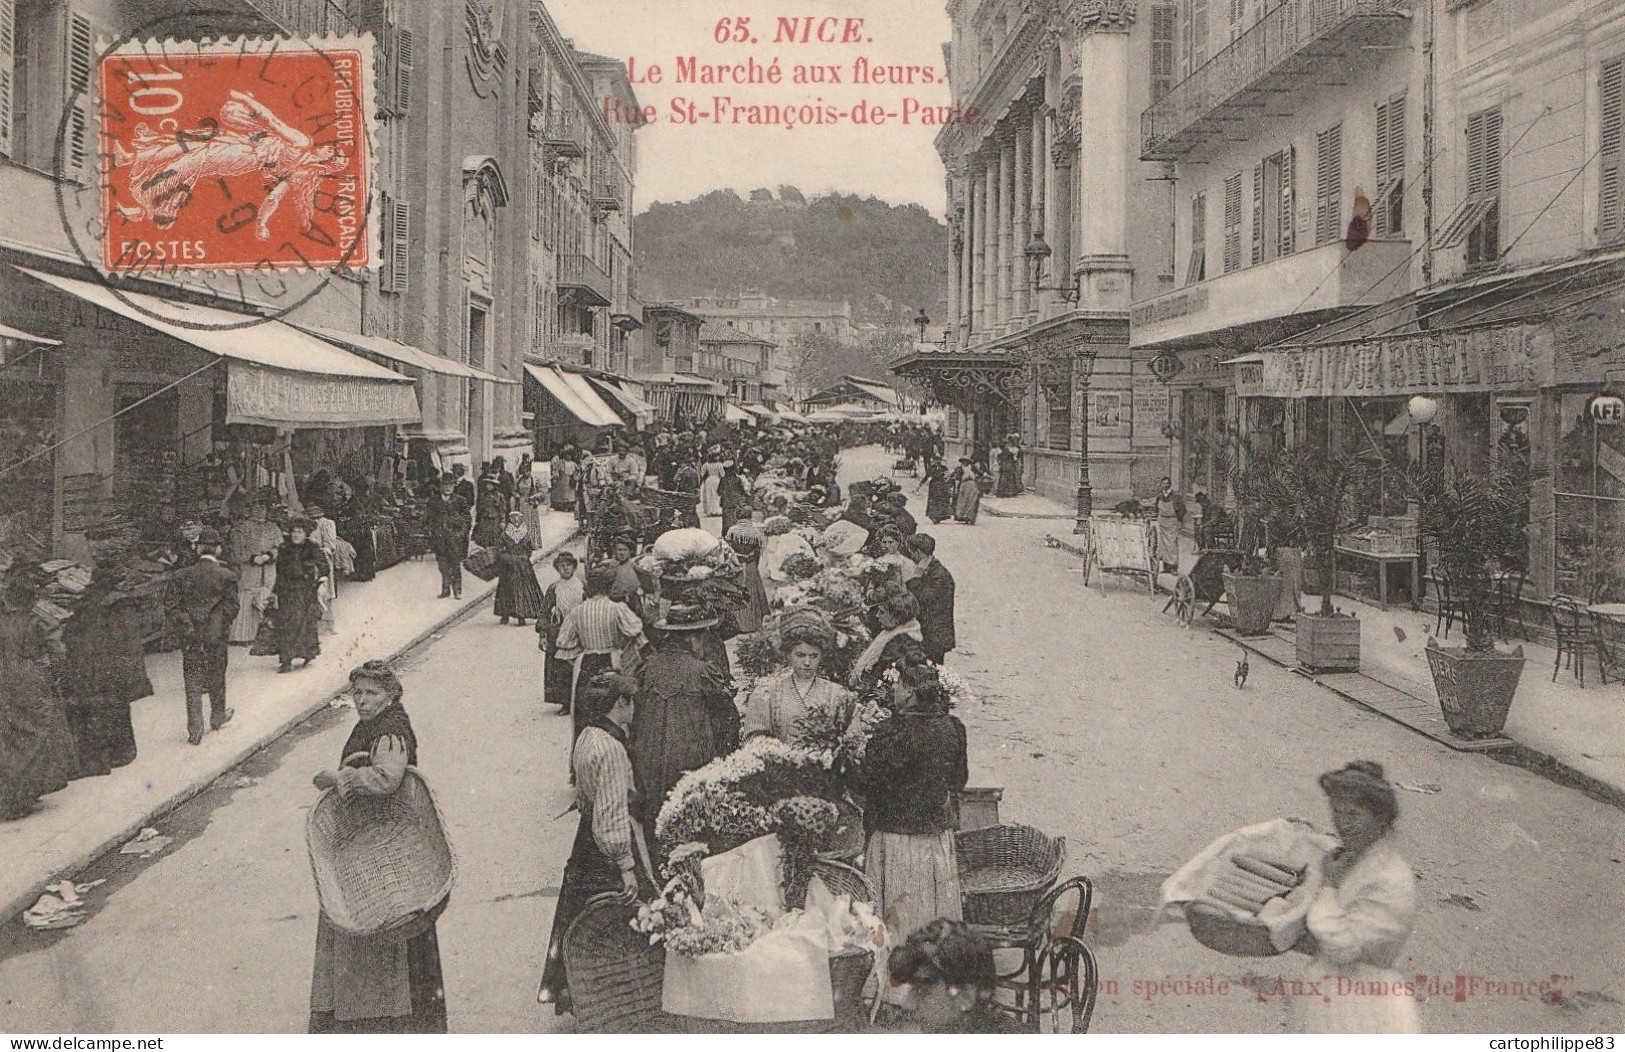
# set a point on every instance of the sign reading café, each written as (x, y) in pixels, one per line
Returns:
(1496, 359)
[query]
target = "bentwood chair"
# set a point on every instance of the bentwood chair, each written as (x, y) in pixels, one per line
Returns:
(1451, 607)
(1055, 986)
(1576, 634)
(1506, 603)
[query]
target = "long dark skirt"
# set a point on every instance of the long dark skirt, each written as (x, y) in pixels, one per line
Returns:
(939, 500)
(518, 594)
(589, 872)
(488, 529)
(37, 753)
(428, 995)
(298, 619)
(103, 733)
(556, 676)
(362, 540)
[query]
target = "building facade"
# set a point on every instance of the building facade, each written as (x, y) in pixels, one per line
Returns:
(583, 312)
(1057, 226)
(780, 320)
(737, 360)
(1381, 199)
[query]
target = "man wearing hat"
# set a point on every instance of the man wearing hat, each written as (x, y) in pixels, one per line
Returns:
(685, 715)
(202, 605)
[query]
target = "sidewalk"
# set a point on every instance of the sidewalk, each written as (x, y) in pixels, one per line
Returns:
(1575, 736)
(378, 618)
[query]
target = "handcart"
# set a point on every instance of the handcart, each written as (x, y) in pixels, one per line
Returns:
(905, 467)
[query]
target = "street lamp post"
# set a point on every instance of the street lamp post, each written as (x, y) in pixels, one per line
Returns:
(1037, 252)
(920, 322)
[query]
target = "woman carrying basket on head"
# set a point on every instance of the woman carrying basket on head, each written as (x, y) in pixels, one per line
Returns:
(375, 984)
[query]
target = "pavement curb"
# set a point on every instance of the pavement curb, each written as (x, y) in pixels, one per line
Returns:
(997, 514)
(81, 861)
(1511, 751)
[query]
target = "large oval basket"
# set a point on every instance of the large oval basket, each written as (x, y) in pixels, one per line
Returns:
(382, 864)
(1218, 930)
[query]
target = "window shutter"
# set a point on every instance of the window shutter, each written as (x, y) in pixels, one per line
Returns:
(1484, 185)
(402, 86)
(1390, 202)
(80, 60)
(1328, 184)
(1258, 214)
(1286, 219)
(80, 52)
(1232, 223)
(8, 52)
(1196, 270)
(400, 260)
(1611, 151)
(1198, 34)
(386, 243)
(1162, 50)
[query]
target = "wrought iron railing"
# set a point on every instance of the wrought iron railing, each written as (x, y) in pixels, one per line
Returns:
(1280, 34)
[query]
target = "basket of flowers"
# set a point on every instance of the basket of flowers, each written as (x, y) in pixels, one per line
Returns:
(692, 565)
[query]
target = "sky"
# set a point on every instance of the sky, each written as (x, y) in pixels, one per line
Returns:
(679, 160)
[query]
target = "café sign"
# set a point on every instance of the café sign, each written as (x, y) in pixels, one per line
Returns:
(1501, 358)
(1607, 409)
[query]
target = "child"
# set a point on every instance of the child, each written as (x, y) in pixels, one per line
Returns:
(561, 597)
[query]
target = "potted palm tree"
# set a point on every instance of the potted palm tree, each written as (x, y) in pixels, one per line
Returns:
(1306, 497)
(1252, 590)
(1473, 522)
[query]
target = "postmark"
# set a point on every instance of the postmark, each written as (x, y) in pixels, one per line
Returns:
(235, 155)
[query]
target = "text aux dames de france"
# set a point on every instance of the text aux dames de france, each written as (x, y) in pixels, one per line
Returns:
(773, 71)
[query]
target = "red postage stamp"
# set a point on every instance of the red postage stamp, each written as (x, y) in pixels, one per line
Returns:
(250, 154)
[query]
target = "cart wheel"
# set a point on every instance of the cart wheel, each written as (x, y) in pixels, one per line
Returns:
(1184, 600)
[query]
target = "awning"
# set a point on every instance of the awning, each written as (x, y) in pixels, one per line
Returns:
(1244, 359)
(760, 410)
(735, 415)
(641, 411)
(573, 393)
(403, 353)
(7, 332)
(276, 375)
(792, 416)
(683, 380)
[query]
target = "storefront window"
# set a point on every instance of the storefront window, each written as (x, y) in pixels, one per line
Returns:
(26, 431)
(1202, 427)
(1590, 504)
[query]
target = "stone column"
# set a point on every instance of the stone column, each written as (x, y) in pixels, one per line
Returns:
(990, 234)
(967, 259)
(1007, 215)
(978, 221)
(956, 245)
(1022, 277)
(1105, 134)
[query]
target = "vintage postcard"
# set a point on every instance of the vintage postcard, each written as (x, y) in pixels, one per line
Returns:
(875, 518)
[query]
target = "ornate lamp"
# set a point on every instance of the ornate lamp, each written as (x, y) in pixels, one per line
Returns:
(920, 322)
(1037, 251)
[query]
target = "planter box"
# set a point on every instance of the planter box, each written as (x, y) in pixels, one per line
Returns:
(1328, 644)
(1475, 690)
(1252, 602)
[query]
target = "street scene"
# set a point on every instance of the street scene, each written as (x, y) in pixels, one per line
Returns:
(705, 519)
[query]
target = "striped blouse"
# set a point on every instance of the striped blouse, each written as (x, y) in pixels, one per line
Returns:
(603, 787)
(599, 625)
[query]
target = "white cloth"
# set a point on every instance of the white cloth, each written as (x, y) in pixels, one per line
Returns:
(871, 653)
(1283, 838)
(776, 551)
(749, 874)
(1360, 927)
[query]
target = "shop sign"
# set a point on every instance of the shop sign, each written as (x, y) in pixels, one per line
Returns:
(1166, 366)
(1479, 360)
(1150, 413)
(1606, 409)
(1174, 305)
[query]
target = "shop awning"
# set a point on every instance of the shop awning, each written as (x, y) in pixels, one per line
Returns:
(735, 415)
(8, 333)
(276, 374)
(760, 410)
(403, 353)
(575, 395)
(1244, 359)
(641, 411)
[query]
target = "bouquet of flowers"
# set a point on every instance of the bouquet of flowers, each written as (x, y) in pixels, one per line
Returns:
(805, 825)
(728, 802)
(685, 921)
(801, 566)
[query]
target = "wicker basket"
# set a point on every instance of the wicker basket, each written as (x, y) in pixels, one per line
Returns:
(615, 975)
(1235, 936)
(1004, 870)
(382, 864)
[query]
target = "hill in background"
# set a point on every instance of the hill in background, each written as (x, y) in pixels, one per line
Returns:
(886, 260)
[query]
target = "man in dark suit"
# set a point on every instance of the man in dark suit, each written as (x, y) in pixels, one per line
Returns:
(203, 604)
(446, 518)
(462, 488)
(933, 588)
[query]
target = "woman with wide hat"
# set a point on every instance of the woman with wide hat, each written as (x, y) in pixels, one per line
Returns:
(685, 715)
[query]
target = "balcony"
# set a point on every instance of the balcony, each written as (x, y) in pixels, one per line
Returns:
(629, 315)
(1299, 42)
(1304, 284)
(606, 196)
(562, 135)
(585, 281)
